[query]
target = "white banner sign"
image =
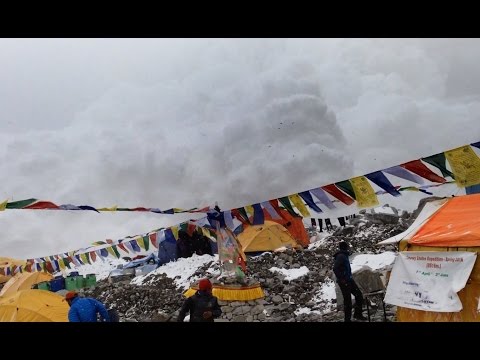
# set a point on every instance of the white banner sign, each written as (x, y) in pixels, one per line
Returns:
(429, 281)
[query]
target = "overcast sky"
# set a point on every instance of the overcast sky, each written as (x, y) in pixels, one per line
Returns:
(187, 122)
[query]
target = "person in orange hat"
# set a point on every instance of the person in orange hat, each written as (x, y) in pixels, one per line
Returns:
(203, 306)
(85, 309)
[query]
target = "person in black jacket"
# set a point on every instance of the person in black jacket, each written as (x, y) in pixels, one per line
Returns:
(347, 285)
(203, 306)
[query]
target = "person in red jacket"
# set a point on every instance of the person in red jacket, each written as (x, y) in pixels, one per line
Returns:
(203, 306)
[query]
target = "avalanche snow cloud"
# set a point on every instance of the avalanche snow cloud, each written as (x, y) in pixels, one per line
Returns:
(187, 122)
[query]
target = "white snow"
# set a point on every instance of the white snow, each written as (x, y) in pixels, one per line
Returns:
(318, 240)
(327, 294)
(384, 210)
(99, 267)
(304, 310)
(374, 261)
(365, 233)
(291, 274)
(180, 270)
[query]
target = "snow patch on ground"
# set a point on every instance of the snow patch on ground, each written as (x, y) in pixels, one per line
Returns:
(318, 240)
(180, 270)
(291, 274)
(100, 268)
(305, 310)
(374, 261)
(326, 295)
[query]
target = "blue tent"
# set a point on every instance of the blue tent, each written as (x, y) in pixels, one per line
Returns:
(167, 251)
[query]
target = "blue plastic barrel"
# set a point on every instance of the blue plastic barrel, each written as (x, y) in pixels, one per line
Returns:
(57, 284)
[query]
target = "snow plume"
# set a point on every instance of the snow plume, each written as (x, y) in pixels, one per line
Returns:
(187, 122)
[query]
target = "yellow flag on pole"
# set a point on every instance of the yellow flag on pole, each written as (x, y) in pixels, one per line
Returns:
(3, 205)
(364, 192)
(298, 203)
(465, 165)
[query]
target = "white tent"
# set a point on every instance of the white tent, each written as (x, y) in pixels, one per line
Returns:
(428, 210)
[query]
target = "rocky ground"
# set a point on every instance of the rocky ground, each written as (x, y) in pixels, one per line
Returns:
(293, 300)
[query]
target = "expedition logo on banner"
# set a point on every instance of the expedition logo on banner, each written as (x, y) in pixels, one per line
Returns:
(429, 281)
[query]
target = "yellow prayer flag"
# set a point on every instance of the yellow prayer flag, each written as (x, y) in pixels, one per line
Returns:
(110, 251)
(140, 242)
(84, 258)
(465, 165)
(205, 232)
(3, 205)
(298, 203)
(249, 209)
(364, 192)
(61, 264)
(113, 208)
(175, 231)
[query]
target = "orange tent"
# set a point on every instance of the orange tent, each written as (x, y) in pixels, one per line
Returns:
(451, 224)
(294, 225)
(457, 223)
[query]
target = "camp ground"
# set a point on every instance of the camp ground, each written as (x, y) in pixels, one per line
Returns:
(266, 265)
(441, 235)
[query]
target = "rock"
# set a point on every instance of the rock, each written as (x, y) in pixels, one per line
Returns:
(227, 308)
(258, 309)
(236, 303)
(277, 299)
(238, 310)
(246, 309)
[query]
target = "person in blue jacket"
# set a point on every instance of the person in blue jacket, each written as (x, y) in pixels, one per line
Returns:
(343, 273)
(85, 309)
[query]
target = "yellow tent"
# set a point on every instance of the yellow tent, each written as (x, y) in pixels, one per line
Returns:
(23, 281)
(34, 306)
(266, 237)
(6, 262)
